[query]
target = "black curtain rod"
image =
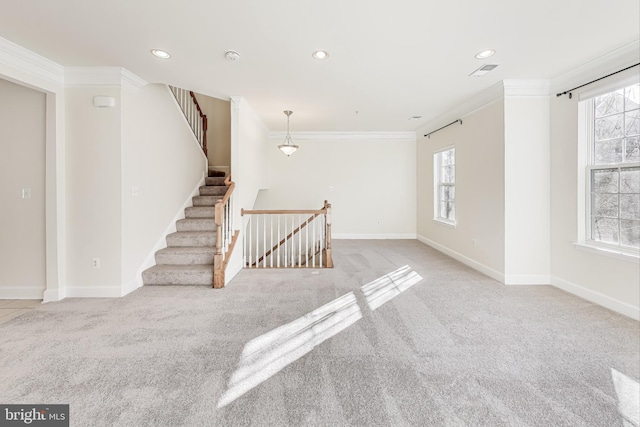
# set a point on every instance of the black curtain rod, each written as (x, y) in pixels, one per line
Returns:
(452, 123)
(593, 81)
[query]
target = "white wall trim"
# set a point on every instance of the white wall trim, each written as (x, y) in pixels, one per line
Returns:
(94, 292)
(597, 298)
(466, 108)
(52, 295)
(526, 87)
(150, 260)
(376, 236)
(527, 279)
(494, 274)
(131, 286)
(610, 62)
(101, 76)
(351, 136)
(235, 267)
(28, 62)
(22, 292)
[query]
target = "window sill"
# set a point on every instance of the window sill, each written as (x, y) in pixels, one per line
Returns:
(613, 253)
(445, 223)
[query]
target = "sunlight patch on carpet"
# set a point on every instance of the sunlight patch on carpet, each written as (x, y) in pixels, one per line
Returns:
(385, 288)
(628, 392)
(267, 354)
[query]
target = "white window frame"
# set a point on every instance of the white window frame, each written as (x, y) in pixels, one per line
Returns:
(586, 159)
(437, 168)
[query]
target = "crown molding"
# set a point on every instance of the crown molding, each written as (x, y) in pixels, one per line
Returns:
(617, 59)
(473, 104)
(526, 87)
(25, 61)
(101, 76)
(350, 136)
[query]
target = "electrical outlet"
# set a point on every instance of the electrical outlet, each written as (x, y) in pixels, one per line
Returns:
(25, 193)
(475, 242)
(95, 263)
(135, 191)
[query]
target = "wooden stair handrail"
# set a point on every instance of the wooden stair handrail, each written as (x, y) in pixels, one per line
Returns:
(204, 122)
(220, 260)
(326, 210)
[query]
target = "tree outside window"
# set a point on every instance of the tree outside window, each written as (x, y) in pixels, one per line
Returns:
(445, 189)
(614, 170)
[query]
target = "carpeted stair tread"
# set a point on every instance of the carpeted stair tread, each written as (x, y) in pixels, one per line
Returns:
(206, 200)
(200, 212)
(188, 275)
(214, 180)
(196, 224)
(191, 238)
(213, 190)
(187, 255)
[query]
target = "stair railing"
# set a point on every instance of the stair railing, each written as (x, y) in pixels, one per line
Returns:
(193, 113)
(287, 238)
(225, 236)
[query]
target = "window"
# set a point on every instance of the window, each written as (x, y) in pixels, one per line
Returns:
(613, 172)
(445, 185)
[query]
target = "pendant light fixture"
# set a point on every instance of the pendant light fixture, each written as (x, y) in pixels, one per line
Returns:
(288, 147)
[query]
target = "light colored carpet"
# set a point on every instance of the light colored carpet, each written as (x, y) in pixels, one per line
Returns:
(396, 335)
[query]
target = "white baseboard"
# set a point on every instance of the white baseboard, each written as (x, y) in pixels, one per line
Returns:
(365, 236)
(127, 288)
(22, 292)
(94, 292)
(52, 295)
(527, 279)
(494, 274)
(597, 298)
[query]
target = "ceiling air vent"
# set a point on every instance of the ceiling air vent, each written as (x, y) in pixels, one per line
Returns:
(483, 70)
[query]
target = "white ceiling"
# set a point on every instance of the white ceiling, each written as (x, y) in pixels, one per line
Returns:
(389, 60)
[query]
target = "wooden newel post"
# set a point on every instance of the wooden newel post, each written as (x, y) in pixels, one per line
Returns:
(218, 263)
(328, 258)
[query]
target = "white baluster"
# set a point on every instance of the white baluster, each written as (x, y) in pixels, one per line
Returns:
(285, 242)
(250, 241)
(244, 245)
(257, 241)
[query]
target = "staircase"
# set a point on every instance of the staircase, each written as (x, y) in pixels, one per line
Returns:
(189, 255)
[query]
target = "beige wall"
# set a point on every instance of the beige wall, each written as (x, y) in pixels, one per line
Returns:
(163, 161)
(369, 182)
(218, 113)
(22, 165)
(480, 185)
(606, 280)
(93, 192)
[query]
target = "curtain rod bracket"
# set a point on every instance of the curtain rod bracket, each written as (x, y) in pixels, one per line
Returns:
(428, 135)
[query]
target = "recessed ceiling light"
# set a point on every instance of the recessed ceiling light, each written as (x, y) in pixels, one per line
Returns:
(320, 54)
(485, 54)
(232, 55)
(162, 54)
